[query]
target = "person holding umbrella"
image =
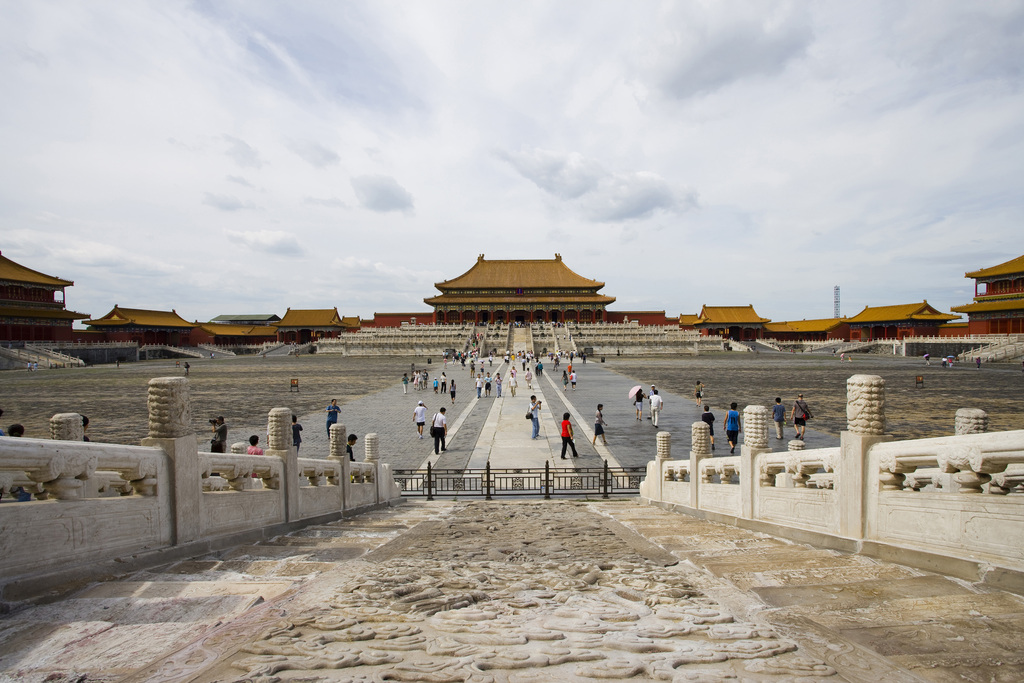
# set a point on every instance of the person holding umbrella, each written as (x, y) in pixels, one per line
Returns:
(636, 394)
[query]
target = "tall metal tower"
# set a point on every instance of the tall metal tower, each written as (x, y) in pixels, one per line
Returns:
(835, 301)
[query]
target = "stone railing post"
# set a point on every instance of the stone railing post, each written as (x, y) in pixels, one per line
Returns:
(971, 421)
(755, 441)
(170, 429)
(657, 477)
(700, 448)
(372, 450)
(338, 438)
(67, 427)
(279, 444)
(865, 426)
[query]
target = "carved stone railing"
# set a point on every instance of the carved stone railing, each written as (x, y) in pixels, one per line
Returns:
(954, 501)
(95, 502)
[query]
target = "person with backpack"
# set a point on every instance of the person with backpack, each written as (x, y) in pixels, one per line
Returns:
(800, 414)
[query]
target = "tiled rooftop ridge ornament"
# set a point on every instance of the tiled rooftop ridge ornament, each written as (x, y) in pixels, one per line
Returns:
(865, 404)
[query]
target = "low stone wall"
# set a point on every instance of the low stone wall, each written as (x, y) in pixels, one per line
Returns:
(953, 504)
(96, 502)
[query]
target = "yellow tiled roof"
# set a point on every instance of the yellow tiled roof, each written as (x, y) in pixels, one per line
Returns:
(985, 306)
(729, 315)
(526, 273)
(688, 319)
(491, 299)
(50, 313)
(1011, 267)
(311, 317)
(918, 311)
(228, 330)
(817, 325)
(350, 321)
(9, 270)
(139, 316)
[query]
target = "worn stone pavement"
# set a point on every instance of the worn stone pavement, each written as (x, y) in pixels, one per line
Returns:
(523, 591)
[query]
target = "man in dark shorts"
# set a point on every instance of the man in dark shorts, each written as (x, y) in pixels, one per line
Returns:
(709, 417)
(800, 414)
(732, 427)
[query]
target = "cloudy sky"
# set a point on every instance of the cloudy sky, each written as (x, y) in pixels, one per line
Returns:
(243, 157)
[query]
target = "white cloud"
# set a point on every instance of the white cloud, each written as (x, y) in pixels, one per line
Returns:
(314, 153)
(242, 153)
(226, 202)
(382, 193)
(275, 242)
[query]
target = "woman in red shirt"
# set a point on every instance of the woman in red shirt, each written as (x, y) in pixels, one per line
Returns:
(567, 436)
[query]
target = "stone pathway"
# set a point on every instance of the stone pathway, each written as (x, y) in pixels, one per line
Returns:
(521, 591)
(495, 428)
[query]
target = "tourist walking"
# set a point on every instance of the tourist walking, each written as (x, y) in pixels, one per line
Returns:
(572, 380)
(800, 414)
(451, 391)
(419, 416)
(649, 395)
(529, 380)
(479, 385)
(599, 425)
(709, 417)
(296, 433)
(444, 383)
(539, 368)
(565, 381)
(439, 430)
(332, 416)
(638, 401)
(487, 385)
(698, 393)
(535, 406)
(497, 384)
(512, 382)
(778, 416)
(657, 403)
(405, 383)
(732, 427)
(567, 436)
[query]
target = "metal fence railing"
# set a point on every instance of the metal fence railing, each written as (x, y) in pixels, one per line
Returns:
(520, 481)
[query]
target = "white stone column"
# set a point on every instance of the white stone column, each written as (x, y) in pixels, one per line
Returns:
(67, 427)
(338, 436)
(971, 421)
(170, 429)
(865, 421)
(755, 441)
(700, 448)
(372, 450)
(279, 429)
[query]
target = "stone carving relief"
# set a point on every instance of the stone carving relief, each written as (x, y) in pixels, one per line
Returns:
(755, 427)
(971, 421)
(279, 429)
(530, 595)
(700, 438)
(664, 445)
(170, 410)
(865, 404)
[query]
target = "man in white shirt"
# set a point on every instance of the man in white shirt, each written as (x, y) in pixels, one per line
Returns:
(439, 430)
(419, 416)
(657, 403)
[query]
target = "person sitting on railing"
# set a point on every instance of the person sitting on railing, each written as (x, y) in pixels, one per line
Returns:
(253, 449)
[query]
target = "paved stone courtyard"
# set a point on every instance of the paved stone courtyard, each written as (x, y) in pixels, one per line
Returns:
(521, 591)
(475, 591)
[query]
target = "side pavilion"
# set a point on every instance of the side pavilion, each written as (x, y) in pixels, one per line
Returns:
(998, 306)
(519, 291)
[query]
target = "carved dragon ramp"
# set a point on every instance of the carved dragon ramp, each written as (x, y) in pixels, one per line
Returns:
(514, 591)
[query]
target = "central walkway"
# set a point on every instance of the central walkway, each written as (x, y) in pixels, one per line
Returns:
(520, 591)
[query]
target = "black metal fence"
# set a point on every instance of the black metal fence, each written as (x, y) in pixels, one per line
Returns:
(520, 481)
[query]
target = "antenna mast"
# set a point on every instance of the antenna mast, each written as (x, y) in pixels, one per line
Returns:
(835, 301)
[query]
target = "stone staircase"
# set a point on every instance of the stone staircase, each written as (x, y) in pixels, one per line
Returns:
(522, 339)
